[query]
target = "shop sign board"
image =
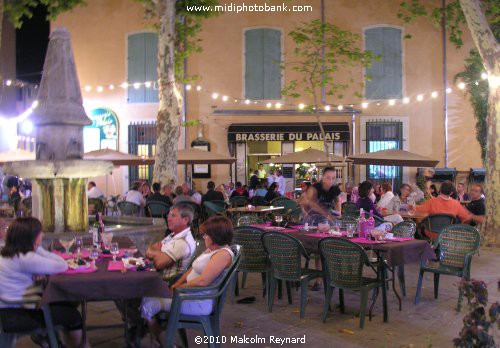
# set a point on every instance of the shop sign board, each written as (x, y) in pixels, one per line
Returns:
(103, 132)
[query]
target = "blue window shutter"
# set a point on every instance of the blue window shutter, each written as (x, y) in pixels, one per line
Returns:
(142, 63)
(272, 59)
(151, 61)
(262, 59)
(386, 74)
(254, 71)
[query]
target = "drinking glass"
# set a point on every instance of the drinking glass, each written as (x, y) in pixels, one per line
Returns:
(94, 254)
(396, 207)
(351, 227)
(67, 242)
(107, 237)
(114, 250)
(79, 244)
(336, 226)
(278, 219)
(411, 206)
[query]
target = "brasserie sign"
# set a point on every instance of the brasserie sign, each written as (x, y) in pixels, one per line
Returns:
(285, 136)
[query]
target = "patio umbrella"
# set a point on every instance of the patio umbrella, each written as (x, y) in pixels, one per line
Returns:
(394, 157)
(118, 158)
(16, 155)
(306, 156)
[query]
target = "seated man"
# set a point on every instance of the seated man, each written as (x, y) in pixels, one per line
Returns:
(444, 204)
(171, 256)
(157, 196)
(93, 191)
(476, 206)
(211, 194)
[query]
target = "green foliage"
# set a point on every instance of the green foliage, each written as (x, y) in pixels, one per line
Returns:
(191, 123)
(341, 51)
(411, 10)
(478, 94)
(187, 27)
(18, 10)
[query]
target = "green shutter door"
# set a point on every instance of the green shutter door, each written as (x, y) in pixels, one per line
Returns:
(254, 64)
(151, 63)
(136, 67)
(392, 61)
(272, 59)
(374, 42)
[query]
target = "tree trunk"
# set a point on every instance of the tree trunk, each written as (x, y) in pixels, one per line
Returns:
(490, 53)
(169, 113)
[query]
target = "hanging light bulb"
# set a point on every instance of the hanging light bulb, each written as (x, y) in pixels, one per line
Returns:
(420, 97)
(364, 105)
(461, 85)
(88, 88)
(188, 87)
(99, 89)
(198, 88)
(137, 85)
(269, 105)
(301, 106)
(8, 82)
(224, 98)
(147, 84)
(215, 95)
(124, 85)
(392, 102)
(434, 94)
(111, 87)
(448, 90)
(277, 105)
(327, 107)
(247, 101)
(340, 107)
(406, 100)
(484, 75)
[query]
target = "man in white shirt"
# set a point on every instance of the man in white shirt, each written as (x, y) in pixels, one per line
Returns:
(134, 196)
(93, 191)
(270, 178)
(387, 195)
(280, 180)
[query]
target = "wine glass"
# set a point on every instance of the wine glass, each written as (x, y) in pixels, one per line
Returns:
(336, 227)
(114, 250)
(351, 227)
(67, 242)
(278, 219)
(79, 244)
(94, 255)
(411, 206)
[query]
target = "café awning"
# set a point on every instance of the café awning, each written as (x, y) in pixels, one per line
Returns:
(306, 156)
(394, 157)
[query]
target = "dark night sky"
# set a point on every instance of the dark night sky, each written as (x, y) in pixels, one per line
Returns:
(31, 45)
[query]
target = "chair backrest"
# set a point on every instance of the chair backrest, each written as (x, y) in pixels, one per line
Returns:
(214, 207)
(436, 222)
(249, 219)
(157, 209)
(238, 201)
(349, 209)
(456, 242)
(226, 279)
(198, 250)
(285, 254)
(128, 208)
(259, 201)
(295, 214)
(253, 254)
(197, 218)
(288, 203)
(27, 202)
(342, 262)
(405, 229)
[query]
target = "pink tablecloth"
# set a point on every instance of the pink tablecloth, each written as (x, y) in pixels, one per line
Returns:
(85, 254)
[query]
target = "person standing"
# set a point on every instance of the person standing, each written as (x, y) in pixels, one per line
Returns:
(322, 197)
(280, 180)
(262, 172)
(271, 178)
(254, 180)
(461, 194)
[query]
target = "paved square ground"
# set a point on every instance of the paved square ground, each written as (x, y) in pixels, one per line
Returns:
(431, 323)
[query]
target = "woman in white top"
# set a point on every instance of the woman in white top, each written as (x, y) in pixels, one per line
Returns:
(23, 259)
(386, 197)
(217, 233)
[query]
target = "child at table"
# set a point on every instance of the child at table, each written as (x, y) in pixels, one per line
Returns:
(22, 259)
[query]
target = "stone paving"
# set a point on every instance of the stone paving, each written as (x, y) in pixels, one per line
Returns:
(431, 323)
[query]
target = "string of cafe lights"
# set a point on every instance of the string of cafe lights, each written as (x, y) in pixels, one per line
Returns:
(215, 95)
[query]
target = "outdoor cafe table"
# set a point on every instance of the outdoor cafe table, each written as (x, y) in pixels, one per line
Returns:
(261, 209)
(417, 217)
(104, 285)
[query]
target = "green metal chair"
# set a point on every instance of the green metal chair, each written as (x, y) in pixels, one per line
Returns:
(249, 219)
(349, 209)
(212, 208)
(97, 206)
(287, 203)
(285, 253)
(404, 229)
(197, 217)
(457, 244)
(128, 208)
(294, 215)
(253, 255)
(238, 201)
(209, 324)
(343, 263)
(435, 223)
(157, 209)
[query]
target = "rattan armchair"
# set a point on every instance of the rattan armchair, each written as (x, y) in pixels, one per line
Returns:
(212, 208)
(249, 219)
(405, 229)
(343, 263)
(435, 223)
(128, 208)
(157, 209)
(457, 244)
(285, 254)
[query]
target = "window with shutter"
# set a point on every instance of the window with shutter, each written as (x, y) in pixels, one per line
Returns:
(141, 67)
(387, 74)
(262, 64)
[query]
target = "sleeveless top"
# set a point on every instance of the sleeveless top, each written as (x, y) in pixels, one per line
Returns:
(326, 198)
(201, 262)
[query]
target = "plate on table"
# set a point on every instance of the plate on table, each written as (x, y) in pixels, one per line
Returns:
(130, 262)
(78, 264)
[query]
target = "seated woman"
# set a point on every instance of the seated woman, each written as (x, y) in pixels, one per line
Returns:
(217, 233)
(21, 259)
(272, 192)
(365, 190)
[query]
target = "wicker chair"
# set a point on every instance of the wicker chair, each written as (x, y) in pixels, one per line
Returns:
(435, 223)
(197, 217)
(249, 219)
(405, 229)
(238, 201)
(157, 209)
(128, 208)
(287, 203)
(457, 244)
(343, 262)
(285, 253)
(253, 255)
(259, 201)
(209, 324)
(349, 209)
(212, 208)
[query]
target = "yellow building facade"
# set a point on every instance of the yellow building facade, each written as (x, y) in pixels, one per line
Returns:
(244, 125)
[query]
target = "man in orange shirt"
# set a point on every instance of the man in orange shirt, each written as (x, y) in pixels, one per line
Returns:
(444, 204)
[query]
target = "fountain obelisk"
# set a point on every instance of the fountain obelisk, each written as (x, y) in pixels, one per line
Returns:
(59, 171)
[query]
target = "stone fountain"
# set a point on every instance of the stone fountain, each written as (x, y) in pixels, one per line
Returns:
(59, 173)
